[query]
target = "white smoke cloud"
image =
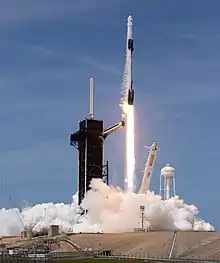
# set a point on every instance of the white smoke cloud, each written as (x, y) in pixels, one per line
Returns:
(109, 210)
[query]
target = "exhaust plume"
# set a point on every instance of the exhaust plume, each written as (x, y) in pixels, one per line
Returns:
(109, 209)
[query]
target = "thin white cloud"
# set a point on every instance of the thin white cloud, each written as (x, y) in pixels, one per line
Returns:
(42, 50)
(108, 68)
(195, 95)
(178, 115)
(191, 36)
(32, 154)
(160, 113)
(14, 11)
(181, 98)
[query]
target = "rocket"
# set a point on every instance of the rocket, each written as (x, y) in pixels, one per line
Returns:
(129, 51)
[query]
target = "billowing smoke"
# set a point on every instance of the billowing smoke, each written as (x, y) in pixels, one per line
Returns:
(109, 210)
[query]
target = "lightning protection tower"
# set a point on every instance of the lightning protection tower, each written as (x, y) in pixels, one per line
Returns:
(89, 140)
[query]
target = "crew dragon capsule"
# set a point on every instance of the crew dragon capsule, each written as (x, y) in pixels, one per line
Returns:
(130, 48)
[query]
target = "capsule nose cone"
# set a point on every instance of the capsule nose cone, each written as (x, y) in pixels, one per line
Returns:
(130, 19)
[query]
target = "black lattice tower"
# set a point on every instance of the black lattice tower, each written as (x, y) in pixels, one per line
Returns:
(89, 142)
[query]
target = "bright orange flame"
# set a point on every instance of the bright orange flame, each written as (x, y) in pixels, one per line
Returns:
(130, 156)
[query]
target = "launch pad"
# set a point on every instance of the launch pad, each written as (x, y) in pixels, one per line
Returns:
(89, 141)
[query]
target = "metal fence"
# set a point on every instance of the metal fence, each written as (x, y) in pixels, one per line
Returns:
(37, 258)
(54, 257)
(147, 257)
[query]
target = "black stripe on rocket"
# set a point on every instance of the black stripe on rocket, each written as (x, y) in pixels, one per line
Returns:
(131, 91)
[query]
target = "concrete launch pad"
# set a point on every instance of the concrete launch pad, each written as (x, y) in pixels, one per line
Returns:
(188, 244)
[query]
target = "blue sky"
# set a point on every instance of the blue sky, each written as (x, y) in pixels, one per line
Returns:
(48, 51)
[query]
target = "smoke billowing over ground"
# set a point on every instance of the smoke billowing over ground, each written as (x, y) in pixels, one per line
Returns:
(109, 210)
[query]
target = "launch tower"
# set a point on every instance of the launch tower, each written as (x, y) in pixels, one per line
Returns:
(89, 140)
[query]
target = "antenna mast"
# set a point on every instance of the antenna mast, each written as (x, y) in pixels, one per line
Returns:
(91, 99)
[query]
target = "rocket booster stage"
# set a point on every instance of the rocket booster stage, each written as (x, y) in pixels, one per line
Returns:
(129, 51)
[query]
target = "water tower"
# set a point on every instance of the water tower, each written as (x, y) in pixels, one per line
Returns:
(167, 182)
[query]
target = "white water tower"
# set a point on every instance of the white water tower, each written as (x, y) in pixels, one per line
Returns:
(167, 182)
